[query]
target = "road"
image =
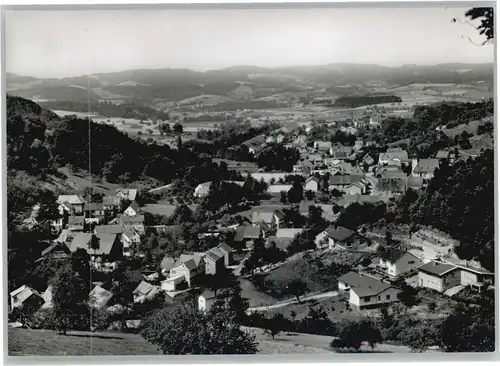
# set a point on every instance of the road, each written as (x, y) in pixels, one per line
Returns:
(282, 304)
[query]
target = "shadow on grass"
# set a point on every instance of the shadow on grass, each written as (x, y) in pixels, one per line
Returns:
(91, 336)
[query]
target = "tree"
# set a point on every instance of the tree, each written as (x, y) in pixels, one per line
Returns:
(283, 197)
(315, 217)
(94, 243)
(274, 325)
(309, 195)
(486, 27)
(69, 296)
(184, 330)
(353, 334)
(296, 193)
(296, 288)
(178, 128)
(408, 296)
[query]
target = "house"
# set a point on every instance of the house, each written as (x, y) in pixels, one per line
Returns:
(99, 297)
(145, 291)
(322, 145)
(395, 157)
(280, 138)
(108, 244)
(227, 251)
(424, 168)
(132, 210)
(395, 261)
(475, 276)
(392, 181)
(31, 221)
(368, 160)
(247, 235)
(127, 193)
(111, 203)
(367, 292)
(26, 298)
(172, 284)
(303, 167)
(206, 301)
(202, 189)
(133, 222)
(300, 140)
(278, 188)
(188, 268)
(355, 188)
(342, 182)
(341, 152)
(312, 184)
(340, 237)
(108, 229)
(72, 200)
(214, 261)
(167, 264)
(415, 183)
(76, 223)
(443, 155)
(285, 236)
(57, 250)
(95, 209)
(129, 238)
(358, 145)
(272, 218)
(439, 276)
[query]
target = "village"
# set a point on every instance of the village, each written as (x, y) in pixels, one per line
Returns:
(110, 231)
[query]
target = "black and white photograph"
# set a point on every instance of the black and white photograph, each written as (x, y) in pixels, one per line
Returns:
(251, 179)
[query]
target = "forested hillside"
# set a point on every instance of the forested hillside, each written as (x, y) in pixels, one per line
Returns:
(460, 201)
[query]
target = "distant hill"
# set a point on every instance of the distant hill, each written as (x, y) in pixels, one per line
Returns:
(150, 86)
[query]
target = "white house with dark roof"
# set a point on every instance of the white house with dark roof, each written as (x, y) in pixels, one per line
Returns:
(366, 291)
(206, 301)
(214, 261)
(145, 291)
(337, 237)
(438, 276)
(395, 261)
(108, 244)
(99, 297)
(424, 168)
(127, 193)
(26, 297)
(73, 201)
(312, 184)
(396, 157)
(133, 209)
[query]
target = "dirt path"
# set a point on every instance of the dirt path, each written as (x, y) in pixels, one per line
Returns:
(282, 304)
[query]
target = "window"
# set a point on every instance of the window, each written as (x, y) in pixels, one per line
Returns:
(379, 298)
(367, 299)
(411, 262)
(388, 297)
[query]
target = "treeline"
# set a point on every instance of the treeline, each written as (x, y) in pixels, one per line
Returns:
(108, 109)
(239, 105)
(358, 101)
(278, 157)
(459, 201)
(420, 130)
(209, 118)
(227, 142)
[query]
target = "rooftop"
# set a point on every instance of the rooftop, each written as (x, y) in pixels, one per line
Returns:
(437, 268)
(363, 285)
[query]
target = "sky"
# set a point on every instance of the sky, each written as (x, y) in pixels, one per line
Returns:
(60, 43)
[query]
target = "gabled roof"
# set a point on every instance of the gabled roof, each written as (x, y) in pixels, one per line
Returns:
(108, 229)
(442, 154)
(426, 166)
(313, 179)
(111, 200)
(167, 263)
(263, 216)
(344, 179)
(54, 247)
(24, 292)
(415, 182)
(279, 214)
(247, 232)
(197, 258)
(134, 206)
(127, 193)
(214, 254)
(99, 297)
(339, 233)
(388, 174)
(363, 285)
(400, 155)
(72, 199)
(393, 254)
(437, 268)
(208, 295)
(224, 248)
(190, 264)
(144, 288)
(288, 232)
(106, 242)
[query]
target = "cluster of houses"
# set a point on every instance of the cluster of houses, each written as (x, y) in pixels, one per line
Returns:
(372, 286)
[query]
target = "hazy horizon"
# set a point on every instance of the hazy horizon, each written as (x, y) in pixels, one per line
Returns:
(58, 44)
